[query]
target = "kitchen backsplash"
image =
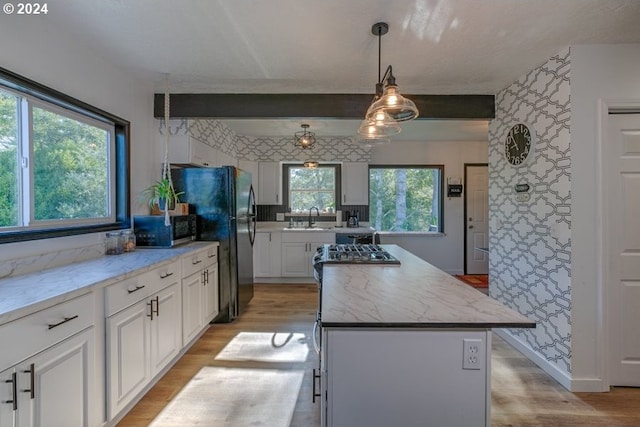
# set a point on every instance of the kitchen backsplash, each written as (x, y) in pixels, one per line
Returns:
(268, 212)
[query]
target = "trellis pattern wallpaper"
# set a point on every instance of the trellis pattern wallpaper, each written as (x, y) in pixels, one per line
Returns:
(530, 241)
(267, 149)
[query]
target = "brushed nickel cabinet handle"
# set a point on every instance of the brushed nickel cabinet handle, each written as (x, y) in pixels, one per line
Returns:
(62, 322)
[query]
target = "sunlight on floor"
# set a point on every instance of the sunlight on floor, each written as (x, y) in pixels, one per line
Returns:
(223, 397)
(266, 347)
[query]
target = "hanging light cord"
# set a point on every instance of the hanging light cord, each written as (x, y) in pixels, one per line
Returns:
(166, 169)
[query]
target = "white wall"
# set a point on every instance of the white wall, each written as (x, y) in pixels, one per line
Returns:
(609, 73)
(445, 252)
(33, 48)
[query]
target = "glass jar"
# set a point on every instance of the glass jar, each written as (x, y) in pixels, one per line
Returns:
(113, 243)
(128, 241)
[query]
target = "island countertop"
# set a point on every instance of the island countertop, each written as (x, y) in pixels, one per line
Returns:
(414, 294)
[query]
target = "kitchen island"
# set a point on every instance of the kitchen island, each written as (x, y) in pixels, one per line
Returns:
(406, 345)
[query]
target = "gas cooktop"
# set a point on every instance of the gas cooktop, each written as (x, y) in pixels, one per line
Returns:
(354, 254)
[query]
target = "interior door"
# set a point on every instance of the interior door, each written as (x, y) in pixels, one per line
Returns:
(622, 196)
(477, 219)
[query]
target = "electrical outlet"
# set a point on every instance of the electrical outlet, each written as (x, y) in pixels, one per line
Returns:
(472, 353)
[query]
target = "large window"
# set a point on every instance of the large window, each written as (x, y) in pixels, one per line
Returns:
(62, 164)
(407, 198)
(311, 187)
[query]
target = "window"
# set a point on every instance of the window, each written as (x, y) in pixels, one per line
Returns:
(407, 198)
(62, 164)
(311, 187)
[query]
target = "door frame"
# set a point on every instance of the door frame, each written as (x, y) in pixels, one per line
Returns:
(464, 218)
(604, 302)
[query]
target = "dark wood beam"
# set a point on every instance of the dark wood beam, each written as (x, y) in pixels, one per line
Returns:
(331, 106)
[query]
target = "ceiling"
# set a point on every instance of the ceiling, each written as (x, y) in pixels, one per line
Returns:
(326, 46)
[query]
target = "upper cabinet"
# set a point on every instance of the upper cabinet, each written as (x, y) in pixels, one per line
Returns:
(253, 169)
(185, 149)
(355, 183)
(269, 183)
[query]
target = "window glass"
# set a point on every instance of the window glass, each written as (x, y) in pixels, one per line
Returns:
(405, 198)
(9, 179)
(312, 187)
(70, 167)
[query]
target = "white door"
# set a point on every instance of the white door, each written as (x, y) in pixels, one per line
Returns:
(166, 328)
(622, 199)
(477, 221)
(192, 316)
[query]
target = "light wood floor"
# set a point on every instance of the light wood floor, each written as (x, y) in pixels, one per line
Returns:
(522, 395)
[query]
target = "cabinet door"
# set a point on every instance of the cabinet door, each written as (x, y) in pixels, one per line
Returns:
(253, 169)
(269, 183)
(267, 255)
(355, 183)
(192, 316)
(166, 327)
(295, 259)
(56, 385)
(210, 289)
(128, 359)
(7, 388)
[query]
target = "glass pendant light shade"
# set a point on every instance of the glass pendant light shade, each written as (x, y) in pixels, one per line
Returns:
(379, 125)
(398, 107)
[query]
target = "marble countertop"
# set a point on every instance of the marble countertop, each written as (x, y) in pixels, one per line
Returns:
(413, 294)
(28, 293)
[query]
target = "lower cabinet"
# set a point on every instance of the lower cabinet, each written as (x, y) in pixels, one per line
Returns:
(267, 254)
(144, 337)
(298, 249)
(199, 291)
(54, 387)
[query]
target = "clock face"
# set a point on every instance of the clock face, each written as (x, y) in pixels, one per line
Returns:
(517, 146)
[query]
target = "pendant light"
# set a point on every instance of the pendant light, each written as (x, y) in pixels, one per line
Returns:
(389, 107)
(304, 139)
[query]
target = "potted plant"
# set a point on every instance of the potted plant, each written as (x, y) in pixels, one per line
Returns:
(161, 196)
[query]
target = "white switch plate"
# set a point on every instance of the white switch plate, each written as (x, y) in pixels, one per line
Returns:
(280, 216)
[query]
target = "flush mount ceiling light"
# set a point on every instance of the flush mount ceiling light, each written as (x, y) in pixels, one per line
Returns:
(387, 99)
(310, 164)
(304, 138)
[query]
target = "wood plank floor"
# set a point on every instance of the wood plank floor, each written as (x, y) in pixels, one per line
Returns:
(522, 394)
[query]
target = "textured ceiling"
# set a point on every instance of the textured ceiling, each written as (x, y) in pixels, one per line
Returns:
(326, 46)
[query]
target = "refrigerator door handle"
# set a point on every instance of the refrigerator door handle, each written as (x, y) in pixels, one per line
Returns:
(251, 209)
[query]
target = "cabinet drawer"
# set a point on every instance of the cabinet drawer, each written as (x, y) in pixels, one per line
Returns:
(308, 236)
(36, 332)
(123, 294)
(196, 261)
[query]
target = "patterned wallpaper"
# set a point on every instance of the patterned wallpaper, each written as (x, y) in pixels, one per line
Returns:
(267, 149)
(530, 259)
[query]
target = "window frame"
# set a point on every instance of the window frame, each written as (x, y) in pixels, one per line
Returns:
(440, 167)
(285, 182)
(120, 215)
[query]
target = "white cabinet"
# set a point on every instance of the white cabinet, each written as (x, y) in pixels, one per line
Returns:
(143, 327)
(298, 249)
(185, 149)
(267, 254)
(355, 183)
(199, 291)
(254, 170)
(406, 377)
(269, 183)
(53, 387)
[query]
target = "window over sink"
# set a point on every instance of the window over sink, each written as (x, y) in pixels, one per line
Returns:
(63, 164)
(306, 187)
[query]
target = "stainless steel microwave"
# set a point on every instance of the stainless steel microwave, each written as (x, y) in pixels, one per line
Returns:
(151, 232)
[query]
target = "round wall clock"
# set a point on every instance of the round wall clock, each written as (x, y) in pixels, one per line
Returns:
(519, 144)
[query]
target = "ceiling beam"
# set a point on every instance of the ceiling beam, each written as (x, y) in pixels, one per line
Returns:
(330, 106)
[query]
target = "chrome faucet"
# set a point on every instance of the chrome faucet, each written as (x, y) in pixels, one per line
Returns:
(318, 214)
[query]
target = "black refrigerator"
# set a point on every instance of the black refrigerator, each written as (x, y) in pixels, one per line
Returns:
(224, 203)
